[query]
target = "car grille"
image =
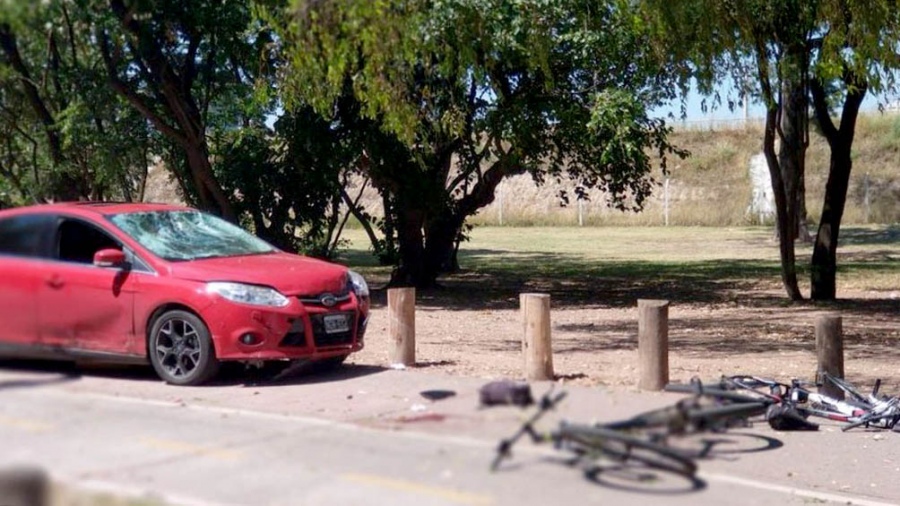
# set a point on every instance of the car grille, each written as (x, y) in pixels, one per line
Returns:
(295, 336)
(323, 339)
(325, 299)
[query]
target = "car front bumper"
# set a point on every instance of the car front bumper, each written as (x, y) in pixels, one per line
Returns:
(296, 331)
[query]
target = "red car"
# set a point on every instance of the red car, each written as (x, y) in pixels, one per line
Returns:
(170, 285)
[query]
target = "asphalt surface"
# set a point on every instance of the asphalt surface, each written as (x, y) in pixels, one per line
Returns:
(367, 435)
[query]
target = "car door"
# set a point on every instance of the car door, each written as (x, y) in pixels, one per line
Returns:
(80, 305)
(23, 241)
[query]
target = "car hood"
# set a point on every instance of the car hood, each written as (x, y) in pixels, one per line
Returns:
(289, 274)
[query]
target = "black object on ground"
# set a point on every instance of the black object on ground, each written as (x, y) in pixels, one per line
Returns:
(506, 393)
(437, 395)
(786, 417)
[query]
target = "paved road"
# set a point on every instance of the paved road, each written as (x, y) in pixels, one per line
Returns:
(368, 437)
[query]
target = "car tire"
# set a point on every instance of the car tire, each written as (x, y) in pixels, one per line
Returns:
(180, 349)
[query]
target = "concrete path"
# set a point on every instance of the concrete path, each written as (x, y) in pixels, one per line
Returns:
(367, 436)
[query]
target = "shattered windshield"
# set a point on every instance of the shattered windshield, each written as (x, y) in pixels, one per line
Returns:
(189, 235)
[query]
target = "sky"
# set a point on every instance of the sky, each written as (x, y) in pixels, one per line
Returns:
(755, 110)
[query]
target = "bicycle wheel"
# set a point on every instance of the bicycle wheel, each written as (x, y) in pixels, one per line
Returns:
(723, 395)
(595, 442)
(690, 415)
(724, 416)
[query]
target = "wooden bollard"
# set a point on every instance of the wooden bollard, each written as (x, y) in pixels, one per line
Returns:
(830, 351)
(536, 349)
(653, 344)
(402, 326)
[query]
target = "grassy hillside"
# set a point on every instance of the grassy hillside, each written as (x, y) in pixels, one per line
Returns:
(712, 187)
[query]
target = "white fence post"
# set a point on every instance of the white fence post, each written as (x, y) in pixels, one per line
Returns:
(666, 201)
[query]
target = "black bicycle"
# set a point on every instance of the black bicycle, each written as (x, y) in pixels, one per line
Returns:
(642, 439)
(791, 404)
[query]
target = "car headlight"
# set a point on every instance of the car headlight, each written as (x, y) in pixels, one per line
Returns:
(358, 284)
(248, 294)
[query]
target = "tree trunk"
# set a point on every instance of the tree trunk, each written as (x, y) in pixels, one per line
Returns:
(783, 221)
(790, 162)
(411, 271)
(427, 227)
(823, 269)
(209, 192)
(170, 105)
(823, 272)
(803, 233)
(440, 244)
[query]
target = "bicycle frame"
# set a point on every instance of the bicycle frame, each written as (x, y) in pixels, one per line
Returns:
(641, 438)
(864, 410)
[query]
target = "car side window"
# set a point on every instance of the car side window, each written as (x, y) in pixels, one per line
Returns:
(78, 241)
(24, 235)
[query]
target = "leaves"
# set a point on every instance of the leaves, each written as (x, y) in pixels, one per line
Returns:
(452, 96)
(68, 136)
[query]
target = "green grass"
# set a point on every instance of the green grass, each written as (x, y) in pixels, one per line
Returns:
(617, 265)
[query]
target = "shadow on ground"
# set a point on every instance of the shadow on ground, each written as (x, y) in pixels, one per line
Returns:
(230, 375)
(574, 282)
(298, 375)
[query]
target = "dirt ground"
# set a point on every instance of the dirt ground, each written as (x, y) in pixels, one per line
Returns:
(595, 342)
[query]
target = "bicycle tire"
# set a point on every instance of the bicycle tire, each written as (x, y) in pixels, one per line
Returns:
(691, 417)
(596, 442)
(710, 417)
(756, 385)
(723, 394)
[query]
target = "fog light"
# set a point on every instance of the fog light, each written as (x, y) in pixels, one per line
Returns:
(249, 339)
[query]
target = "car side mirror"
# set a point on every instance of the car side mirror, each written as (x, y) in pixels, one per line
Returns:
(110, 257)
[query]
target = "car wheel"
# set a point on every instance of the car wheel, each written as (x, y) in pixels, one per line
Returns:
(181, 350)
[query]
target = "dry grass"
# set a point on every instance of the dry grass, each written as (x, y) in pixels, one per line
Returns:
(712, 186)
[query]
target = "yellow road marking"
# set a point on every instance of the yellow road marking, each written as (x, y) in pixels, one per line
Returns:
(26, 424)
(446, 494)
(190, 448)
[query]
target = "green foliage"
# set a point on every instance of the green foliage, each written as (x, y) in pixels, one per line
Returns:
(66, 135)
(469, 92)
(287, 182)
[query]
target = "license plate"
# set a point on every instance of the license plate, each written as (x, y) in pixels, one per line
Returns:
(336, 323)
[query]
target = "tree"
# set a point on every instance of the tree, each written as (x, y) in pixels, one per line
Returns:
(176, 62)
(471, 92)
(794, 48)
(857, 51)
(65, 134)
(288, 180)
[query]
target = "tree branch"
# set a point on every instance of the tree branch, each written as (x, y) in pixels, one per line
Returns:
(133, 98)
(820, 108)
(10, 47)
(856, 93)
(485, 189)
(363, 220)
(71, 32)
